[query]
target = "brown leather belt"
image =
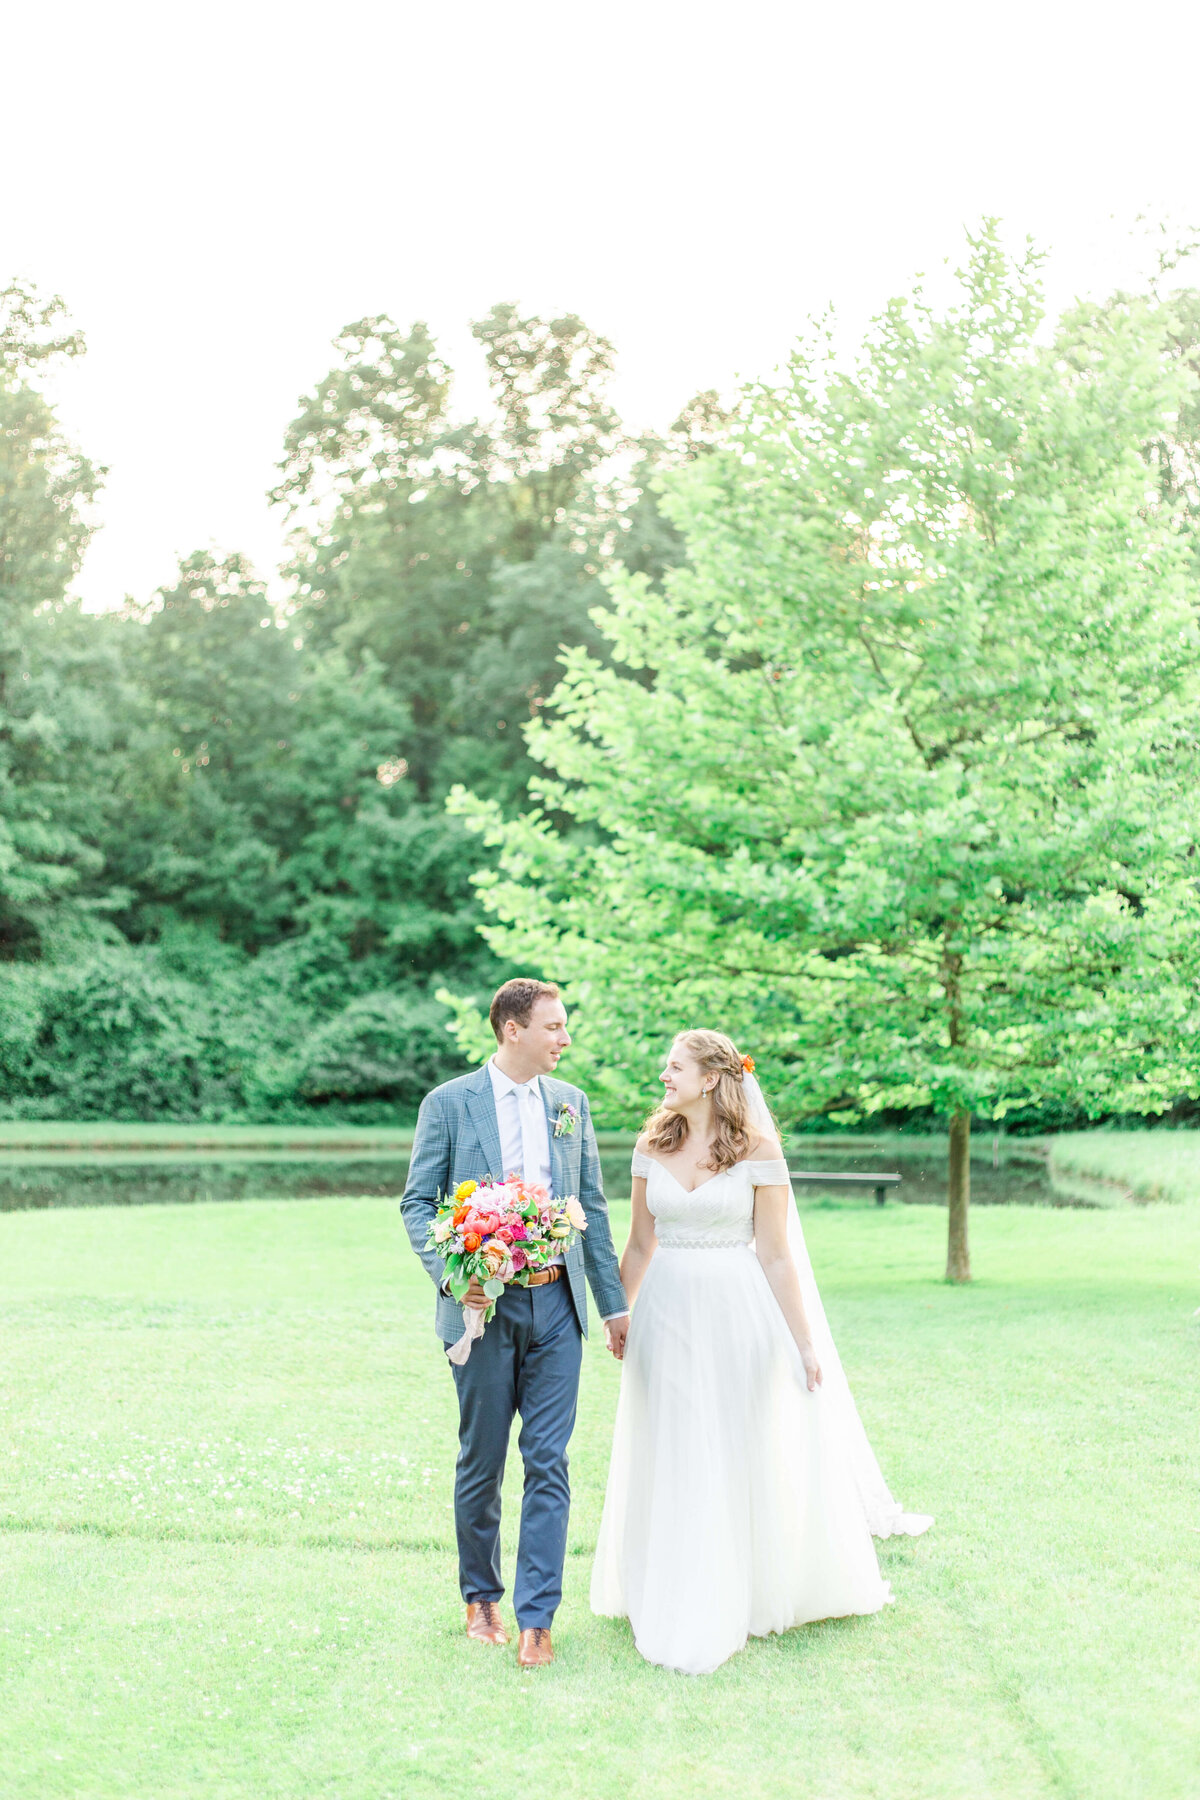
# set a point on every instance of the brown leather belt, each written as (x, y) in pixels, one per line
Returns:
(541, 1276)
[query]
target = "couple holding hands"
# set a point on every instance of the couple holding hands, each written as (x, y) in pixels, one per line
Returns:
(742, 1493)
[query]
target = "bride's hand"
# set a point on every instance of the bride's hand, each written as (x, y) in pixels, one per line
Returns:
(812, 1368)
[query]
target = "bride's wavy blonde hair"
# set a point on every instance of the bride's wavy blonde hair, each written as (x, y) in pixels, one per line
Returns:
(732, 1140)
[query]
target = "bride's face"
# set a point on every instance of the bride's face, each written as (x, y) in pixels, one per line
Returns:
(683, 1079)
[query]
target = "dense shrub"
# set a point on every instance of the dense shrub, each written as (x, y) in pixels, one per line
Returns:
(144, 1032)
(383, 1046)
(119, 1038)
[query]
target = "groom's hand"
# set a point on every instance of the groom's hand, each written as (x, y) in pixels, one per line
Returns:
(615, 1332)
(475, 1295)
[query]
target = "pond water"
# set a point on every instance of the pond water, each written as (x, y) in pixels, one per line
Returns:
(1002, 1174)
(42, 1178)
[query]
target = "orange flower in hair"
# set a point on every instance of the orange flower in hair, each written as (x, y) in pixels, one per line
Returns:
(748, 1064)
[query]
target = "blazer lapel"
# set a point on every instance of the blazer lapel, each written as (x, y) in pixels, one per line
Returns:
(557, 1166)
(481, 1105)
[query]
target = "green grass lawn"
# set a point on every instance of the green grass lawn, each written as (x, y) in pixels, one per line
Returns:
(225, 1478)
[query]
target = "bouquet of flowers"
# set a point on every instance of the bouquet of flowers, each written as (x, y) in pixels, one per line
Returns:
(501, 1232)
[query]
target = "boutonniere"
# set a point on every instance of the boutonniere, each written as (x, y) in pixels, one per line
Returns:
(568, 1118)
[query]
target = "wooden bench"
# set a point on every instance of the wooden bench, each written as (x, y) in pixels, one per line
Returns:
(881, 1183)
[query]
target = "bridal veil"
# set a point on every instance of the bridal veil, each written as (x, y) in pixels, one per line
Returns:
(885, 1516)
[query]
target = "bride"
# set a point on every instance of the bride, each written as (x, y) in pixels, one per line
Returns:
(742, 1493)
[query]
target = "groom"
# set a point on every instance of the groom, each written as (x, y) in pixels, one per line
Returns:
(512, 1117)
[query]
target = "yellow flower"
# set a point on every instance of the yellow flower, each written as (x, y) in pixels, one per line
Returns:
(464, 1190)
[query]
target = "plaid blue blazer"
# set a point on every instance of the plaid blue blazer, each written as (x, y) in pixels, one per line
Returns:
(458, 1139)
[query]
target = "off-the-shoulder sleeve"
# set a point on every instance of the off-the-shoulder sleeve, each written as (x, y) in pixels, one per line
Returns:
(770, 1172)
(642, 1165)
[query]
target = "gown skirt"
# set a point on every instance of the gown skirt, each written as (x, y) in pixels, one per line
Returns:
(731, 1509)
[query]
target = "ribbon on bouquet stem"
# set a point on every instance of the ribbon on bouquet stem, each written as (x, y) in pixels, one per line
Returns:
(473, 1321)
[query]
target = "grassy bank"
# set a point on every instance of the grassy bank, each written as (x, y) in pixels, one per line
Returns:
(87, 1135)
(92, 1136)
(1133, 1165)
(226, 1456)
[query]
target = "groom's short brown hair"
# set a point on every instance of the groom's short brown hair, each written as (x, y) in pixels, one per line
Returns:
(516, 1000)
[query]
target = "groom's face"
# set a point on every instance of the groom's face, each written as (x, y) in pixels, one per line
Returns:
(544, 1039)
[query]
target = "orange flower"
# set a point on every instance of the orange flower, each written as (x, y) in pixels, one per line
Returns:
(471, 1241)
(748, 1064)
(460, 1214)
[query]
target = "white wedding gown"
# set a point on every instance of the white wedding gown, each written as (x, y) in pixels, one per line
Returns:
(738, 1503)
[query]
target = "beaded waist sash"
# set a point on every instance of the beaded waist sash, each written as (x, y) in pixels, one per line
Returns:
(703, 1243)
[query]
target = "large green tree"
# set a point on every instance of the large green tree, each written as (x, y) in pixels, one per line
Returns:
(52, 720)
(228, 882)
(910, 806)
(411, 531)
(263, 810)
(251, 766)
(462, 555)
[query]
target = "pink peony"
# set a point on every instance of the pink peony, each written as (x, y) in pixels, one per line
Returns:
(519, 1259)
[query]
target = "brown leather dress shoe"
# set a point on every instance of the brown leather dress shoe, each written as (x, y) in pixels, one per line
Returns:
(534, 1648)
(484, 1623)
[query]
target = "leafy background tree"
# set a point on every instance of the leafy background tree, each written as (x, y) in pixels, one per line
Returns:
(910, 806)
(229, 886)
(46, 722)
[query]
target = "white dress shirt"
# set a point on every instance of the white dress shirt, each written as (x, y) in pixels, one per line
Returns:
(524, 1128)
(524, 1131)
(524, 1134)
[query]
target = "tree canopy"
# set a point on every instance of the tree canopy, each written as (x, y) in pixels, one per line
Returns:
(860, 720)
(893, 778)
(48, 722)
(232, 811)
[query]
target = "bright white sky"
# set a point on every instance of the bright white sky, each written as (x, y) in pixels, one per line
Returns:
(216, 189)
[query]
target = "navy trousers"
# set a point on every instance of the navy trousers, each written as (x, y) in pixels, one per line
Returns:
(526, 1362)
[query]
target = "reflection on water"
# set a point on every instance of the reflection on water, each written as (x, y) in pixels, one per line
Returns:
(1002, 1172)
(122, 1182)
(128, 1180)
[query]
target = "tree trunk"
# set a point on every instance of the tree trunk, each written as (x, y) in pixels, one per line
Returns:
(958, 1255)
